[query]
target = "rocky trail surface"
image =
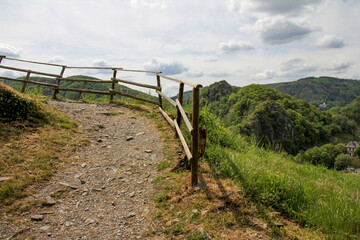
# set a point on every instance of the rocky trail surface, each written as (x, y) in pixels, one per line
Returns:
(105, 191)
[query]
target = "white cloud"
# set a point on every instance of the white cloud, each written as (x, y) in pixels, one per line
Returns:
(330, 41)
(56, 59)
(267, 74)
(282, 31)
(234, 46)
(166, 66)
(149, 3)
(9, 50)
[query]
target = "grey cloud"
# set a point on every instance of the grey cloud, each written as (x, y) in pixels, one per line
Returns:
(233, 46)
(330, 42)
(9, 50)
(219, 74)
(283, 6)
(283, 31)
(100, 63)
(267, 74)
(165, 66)
(297, 67)
(195, 75)
(340, 67)
(56, 59)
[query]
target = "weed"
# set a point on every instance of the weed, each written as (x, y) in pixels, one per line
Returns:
(164, 164)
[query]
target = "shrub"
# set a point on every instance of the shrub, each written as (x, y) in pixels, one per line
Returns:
(342, 161)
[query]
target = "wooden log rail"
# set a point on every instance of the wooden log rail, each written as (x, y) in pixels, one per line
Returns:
(191, 152)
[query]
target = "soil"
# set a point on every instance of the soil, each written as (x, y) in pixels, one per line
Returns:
(105, 191)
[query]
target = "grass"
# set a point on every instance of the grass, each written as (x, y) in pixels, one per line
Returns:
(325, 200)
(32, 149)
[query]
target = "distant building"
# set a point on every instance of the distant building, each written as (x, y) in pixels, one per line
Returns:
(351, 147)
(323, 106)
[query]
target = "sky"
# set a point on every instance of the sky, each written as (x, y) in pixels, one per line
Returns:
(202, 41)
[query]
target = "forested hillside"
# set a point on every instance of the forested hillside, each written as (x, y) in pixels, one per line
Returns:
(276, 119)
(48, 91)
(334, 92)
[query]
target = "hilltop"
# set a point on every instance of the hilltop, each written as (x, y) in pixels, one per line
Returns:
(335, 92)
(274, 118)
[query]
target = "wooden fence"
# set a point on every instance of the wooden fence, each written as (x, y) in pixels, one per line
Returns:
(192, 153)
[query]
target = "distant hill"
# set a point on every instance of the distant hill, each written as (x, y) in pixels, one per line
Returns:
(334, 92)
(48, 91)
(274, 118)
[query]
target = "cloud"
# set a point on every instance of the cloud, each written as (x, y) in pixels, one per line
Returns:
(12, 74)
(56, 59)
(272, 7)
(211, 59)
(195, 74)
(100, 63)
(282, 31)
(149, 3)
(330, 41)
(297, 67)
(9, 50)
(340, 67)
(166, 66)
(267, 74)
(234, 46)
(219, 74)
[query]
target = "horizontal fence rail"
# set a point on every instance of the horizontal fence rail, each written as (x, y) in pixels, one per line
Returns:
(192, 152)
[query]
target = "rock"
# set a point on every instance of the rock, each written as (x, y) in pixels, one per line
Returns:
(194, 211)
(89, 221)
(128, 138)
(140, 133)
(148, 151)
(68, 185)
(279, 224)
(168, 223)
(225, 196)
(132, 194)
(2, 179)
(275, 213)
(83, 165)
(82, 181)
(45, 228)
(201, 185)
(132, 214)
(37, 217)
(49, 201)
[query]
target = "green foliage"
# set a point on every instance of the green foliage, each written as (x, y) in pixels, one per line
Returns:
(357, 151)
(278, 120)
(325, 155)
(13, 106)
(342, 161)
(324, 199)
(334, 92)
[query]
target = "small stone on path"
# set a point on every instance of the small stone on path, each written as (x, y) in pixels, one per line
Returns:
(128, 138)
(37, 217)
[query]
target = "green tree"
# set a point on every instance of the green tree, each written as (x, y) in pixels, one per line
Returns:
(342, 161)
(357, 151)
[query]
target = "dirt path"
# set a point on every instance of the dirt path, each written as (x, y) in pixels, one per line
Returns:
(105, 192)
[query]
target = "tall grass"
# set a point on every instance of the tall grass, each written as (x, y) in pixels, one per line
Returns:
(314, 196)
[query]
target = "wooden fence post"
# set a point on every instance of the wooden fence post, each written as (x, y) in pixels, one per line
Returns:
(79, 95)
(58, 82)
(1, 58)
(25, 83)
(180, 98)
(159, 85)
(195, 136)
(113, 85)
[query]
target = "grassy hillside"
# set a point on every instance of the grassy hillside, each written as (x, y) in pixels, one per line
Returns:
(278, 120)
(48, 91)
(334, 92)
(314, 196)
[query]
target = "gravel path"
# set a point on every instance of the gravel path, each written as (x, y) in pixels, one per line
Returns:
(105, 192)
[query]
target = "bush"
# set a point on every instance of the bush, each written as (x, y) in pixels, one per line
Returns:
(342, 161)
